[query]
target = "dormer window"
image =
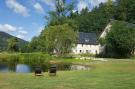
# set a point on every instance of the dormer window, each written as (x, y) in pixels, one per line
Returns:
(86, 40)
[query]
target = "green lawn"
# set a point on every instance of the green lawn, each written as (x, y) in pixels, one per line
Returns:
(113, 74)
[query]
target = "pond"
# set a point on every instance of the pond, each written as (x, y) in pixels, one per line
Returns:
(25, 68)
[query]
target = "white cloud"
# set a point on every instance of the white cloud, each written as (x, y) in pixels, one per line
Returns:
(74, 10)
(39, 8)
(17, 7)
(7, 28)
(10, 28)
(96, 2)
(22, 32)
(89, 3)
(20, 36)
(81, 5)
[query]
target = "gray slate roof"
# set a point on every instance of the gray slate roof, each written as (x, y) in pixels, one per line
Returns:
(87, 38)
(92, 38)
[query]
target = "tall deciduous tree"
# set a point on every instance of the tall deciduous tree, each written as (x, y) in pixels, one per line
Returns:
(58, 16)
(121, 38)
(13, 44)
(37, 44)
(59, 38)
(125, 10)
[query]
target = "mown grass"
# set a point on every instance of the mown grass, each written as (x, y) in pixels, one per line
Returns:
(113, 74)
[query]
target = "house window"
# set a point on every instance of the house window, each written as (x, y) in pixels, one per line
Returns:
(87, 51)
(86, 40)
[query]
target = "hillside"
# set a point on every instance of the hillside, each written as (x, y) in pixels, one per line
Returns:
(3, 40)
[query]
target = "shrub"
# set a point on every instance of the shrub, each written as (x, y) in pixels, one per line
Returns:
(121, 39)
(26, 58)
(87, 55)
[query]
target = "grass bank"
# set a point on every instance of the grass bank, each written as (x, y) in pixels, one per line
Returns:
(113, 74)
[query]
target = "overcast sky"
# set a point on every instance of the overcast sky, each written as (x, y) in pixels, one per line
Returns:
(25, 18)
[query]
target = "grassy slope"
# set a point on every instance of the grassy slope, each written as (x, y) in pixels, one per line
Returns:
(106, 75)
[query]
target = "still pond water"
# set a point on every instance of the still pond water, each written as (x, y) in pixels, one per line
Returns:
(25, 68)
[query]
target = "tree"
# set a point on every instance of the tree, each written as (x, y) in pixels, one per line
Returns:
(121, 38)
(110, 9)
(13, 44)
(125, 10)
(95, 20)
(59, 38)
(37, 45)
(25, 48)
(59, 16)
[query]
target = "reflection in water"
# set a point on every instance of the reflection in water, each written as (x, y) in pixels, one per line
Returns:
(22, 68)
(79, 67)
(3, 68)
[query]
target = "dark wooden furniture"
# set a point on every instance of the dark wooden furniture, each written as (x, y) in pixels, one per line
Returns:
(53, 70)
(38, 71)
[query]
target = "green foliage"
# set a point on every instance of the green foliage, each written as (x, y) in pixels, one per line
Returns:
(6, 57)
(59, 38)
(121, 38)
(25, 48)
(37, 44)
(4, 37)
(27, 58)
(34, 58)
(13, 44)
(87, 55)
(96, 20)
(102, 41)
(125, 10)
(58, 16)
(83, 21)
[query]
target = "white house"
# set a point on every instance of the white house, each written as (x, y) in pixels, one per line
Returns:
(88, 42)
(106, 30)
